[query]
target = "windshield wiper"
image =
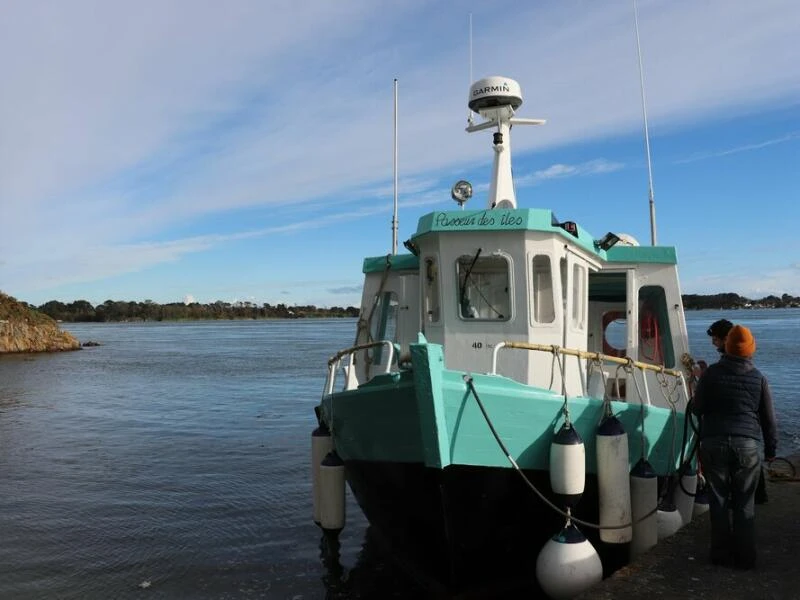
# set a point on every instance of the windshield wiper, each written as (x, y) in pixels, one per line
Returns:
(462, 294)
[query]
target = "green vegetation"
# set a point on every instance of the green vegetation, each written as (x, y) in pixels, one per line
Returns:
(731, 300)
(12, 310)
(111, 310)
(116, 310)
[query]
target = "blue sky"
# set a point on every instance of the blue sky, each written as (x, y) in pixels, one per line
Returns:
(243, 151)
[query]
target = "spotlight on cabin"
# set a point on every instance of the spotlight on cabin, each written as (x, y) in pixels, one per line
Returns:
(461, 192)
(411, 247)
(607, 241)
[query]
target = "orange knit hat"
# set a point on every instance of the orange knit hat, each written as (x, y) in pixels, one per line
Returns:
(740, 342)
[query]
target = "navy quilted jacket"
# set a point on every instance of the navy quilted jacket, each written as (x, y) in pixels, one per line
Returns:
(733, 398)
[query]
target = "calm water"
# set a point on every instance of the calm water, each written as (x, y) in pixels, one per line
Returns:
(172, 461)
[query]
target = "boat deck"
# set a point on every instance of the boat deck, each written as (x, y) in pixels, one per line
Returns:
(678, 567)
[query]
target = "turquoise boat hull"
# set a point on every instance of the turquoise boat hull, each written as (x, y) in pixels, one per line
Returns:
(428, 473)
(429, 415)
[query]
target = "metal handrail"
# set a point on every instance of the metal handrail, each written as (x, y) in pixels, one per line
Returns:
(581, 354)
(335, 361)
(595, 356)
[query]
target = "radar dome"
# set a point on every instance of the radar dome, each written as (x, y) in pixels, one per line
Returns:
(492, 92)
(626, 239)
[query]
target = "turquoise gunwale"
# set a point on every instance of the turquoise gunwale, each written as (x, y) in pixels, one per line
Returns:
(429, 415)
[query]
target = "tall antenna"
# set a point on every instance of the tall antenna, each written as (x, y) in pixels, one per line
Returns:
(469, 110)
(394, 215)
(646, 132)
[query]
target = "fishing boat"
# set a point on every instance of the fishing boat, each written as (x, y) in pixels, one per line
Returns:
(508, 373)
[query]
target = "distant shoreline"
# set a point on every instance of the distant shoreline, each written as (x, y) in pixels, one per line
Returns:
(82, 311)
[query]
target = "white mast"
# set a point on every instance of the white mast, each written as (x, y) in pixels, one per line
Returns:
(496, 99)
(394, 214)
(646, 132)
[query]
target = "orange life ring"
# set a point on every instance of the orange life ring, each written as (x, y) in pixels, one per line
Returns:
(650, 335)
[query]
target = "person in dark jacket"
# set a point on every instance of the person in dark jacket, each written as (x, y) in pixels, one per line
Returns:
(734, 403)
(718, 332)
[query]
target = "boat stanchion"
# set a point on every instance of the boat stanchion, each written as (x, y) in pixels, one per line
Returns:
(321, 444)
(568, 465)
(568, 564)
(613, 481)
(331, 497)
(644, 502)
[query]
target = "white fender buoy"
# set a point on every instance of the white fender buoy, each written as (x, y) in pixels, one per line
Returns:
(644, 501)
(331, 488)
(321, 444)
(568, 564)
(684, 496)
(568, 465)
(613, 481)
(669, 519)
(700, 498)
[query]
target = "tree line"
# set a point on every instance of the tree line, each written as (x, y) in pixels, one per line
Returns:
(119, 310)
(730, 300)
(82, 311)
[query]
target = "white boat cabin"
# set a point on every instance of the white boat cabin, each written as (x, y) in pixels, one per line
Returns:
(479, 278)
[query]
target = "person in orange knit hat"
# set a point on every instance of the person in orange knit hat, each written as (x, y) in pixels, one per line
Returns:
(734, 403)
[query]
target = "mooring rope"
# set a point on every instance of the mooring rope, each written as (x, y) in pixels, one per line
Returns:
(567, 514)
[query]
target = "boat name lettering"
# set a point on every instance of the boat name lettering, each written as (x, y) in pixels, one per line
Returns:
(491, 88)
(484, 219)
(511, 220)
(442, 220)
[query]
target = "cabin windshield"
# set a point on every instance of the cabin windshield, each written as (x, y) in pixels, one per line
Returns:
(483, 287)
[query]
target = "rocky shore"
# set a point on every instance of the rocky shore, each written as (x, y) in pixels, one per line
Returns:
(23, 329)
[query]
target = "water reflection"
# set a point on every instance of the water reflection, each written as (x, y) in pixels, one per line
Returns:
(380, 573)
(333, 579)
(375, 575)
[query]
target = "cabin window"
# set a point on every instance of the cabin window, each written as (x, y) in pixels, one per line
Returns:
(384, 325)
(543, 293)
(578, 296)
(615, 326)
(432, 309)
(483, 287)
(655, 337)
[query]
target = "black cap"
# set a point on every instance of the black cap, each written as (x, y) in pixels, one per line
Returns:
(720, 328)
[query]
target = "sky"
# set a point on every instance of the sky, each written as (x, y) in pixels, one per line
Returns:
(243, 151)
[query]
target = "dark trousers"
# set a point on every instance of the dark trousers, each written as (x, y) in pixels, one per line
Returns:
(761, 489)
(731, 465)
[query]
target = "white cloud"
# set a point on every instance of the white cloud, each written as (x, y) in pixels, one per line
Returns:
(121, 121)
(753, 285)
(739, 149)
(593, 167)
